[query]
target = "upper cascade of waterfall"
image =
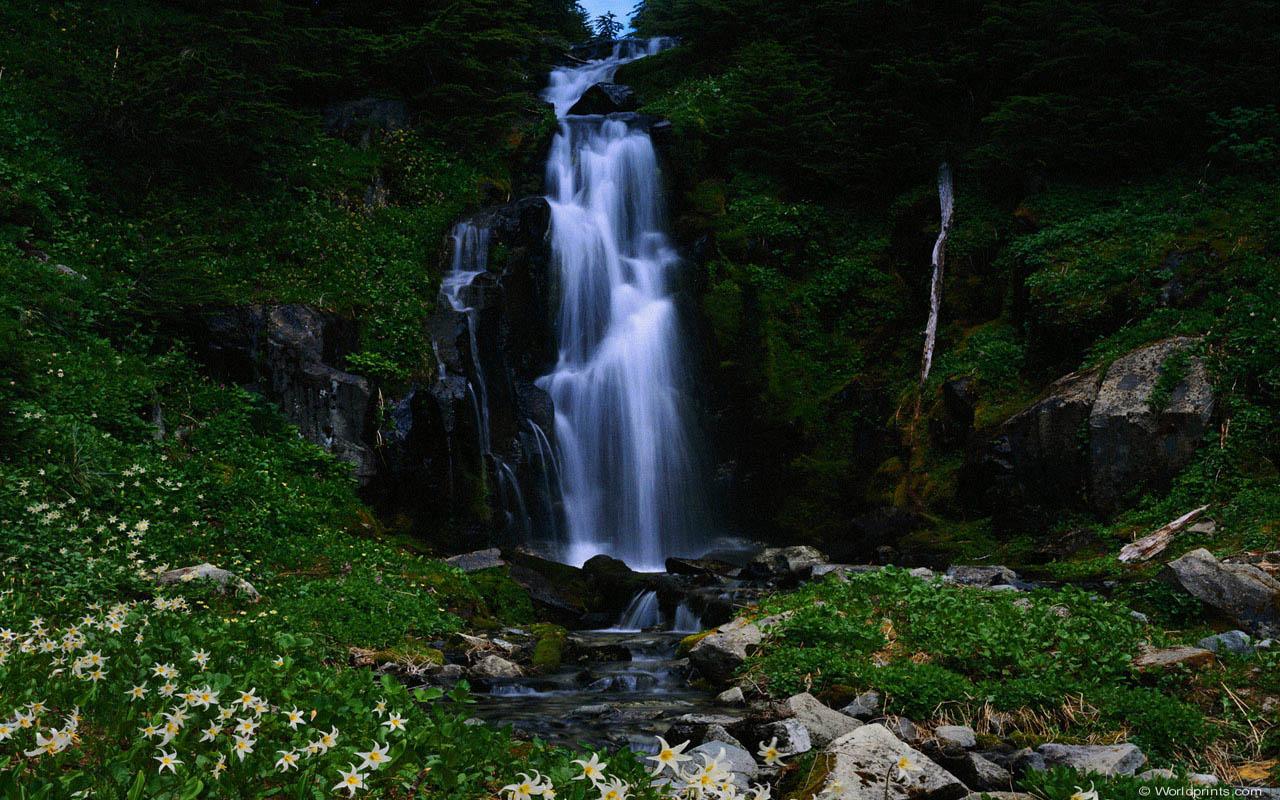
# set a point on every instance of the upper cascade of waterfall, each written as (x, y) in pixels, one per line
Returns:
(630, 475)
(568, 83)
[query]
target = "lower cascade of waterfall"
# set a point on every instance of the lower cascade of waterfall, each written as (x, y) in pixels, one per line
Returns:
(644, 613)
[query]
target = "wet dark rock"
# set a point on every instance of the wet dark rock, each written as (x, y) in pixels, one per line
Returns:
(702, 567)
(959, 404)
(871, 530)
(1134, 447)
(693, 727)
(606, 98)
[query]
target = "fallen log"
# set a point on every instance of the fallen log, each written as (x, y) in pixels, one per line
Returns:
(1154, 543)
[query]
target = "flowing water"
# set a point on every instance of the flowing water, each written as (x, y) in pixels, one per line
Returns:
(631, 486)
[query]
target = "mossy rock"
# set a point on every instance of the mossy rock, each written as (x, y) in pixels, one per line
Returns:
(687, 643)
(548, 652)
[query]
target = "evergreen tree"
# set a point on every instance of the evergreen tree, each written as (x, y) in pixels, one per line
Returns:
(607, 26)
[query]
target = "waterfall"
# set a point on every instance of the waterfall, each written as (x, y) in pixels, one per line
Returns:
(470, 258)
(687, 620)
(641, 613)
(627, 457)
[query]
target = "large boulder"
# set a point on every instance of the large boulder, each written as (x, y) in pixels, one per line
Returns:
(605, 98)
(1116, 759)
(1241, 591)
(224, 581)
(717, 655)
(1036, 457)
(863, 766)
(1134, 446)
(1095, 440)
(796, 561)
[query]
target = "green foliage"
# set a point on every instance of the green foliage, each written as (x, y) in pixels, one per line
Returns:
(927, 646)
(1060, 783)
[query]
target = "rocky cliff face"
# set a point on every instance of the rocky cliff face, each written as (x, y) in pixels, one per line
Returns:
(1099, 439)
(290, 354)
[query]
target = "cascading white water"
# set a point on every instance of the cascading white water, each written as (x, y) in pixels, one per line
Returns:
(640, 614)
(630, 484)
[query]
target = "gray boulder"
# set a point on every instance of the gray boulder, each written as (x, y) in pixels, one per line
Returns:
(863, 766)
(864, 706)
(695, 727)
(958, 737)
(1241, 591)
(984, 576)
(732, 697)
(792, 737)
(494, 666)
(1237, 642)
(797, 561)
(1117, 759)
(477, 560)
(718, 733)
(224, 580)
(1134, 447)
(733, 758)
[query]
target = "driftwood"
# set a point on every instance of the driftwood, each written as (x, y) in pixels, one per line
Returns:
(1154, 543)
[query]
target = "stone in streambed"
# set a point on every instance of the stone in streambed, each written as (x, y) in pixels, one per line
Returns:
(736, 759)
(493, 666)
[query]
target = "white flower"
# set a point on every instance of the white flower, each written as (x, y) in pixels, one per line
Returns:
(769, 752)
(394, 722)
(376, 757)
(243, 747)
(351, 780)
(288, 760)
(522, 789)
(137, 692)
(168, 761)
(1081, 794)
(592, 770)
(615, 789)
(905, 766)
(295, 718)
(669, 756)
